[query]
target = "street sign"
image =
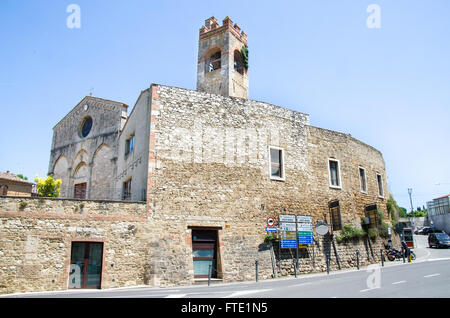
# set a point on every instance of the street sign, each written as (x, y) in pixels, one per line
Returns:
(304, 230)
(286, 218)
(288, 227)
(270, 221)
(321, 228)
(271, 229)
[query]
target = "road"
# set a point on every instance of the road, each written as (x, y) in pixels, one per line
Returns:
(427, 277)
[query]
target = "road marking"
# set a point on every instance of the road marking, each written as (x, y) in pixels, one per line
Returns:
(400, 282)
(246, 292)
(364, 290)
(299, 285)
(176, 296)
(432, 275)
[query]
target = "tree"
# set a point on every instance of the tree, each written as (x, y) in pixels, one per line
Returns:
(21, 176)
(48, 187)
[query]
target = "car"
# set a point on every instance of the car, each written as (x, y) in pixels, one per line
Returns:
(428, 230)
(438, 240)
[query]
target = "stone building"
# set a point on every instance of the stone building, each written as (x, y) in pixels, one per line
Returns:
(84, 149)
(203, 170)
(12, 185)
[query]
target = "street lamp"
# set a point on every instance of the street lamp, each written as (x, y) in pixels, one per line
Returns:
(412, 210)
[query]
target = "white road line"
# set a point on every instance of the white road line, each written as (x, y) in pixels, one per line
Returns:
(400, 282)
(246, 292)
(176, 296)
(432, 275)
(300, 285)
(364, 290)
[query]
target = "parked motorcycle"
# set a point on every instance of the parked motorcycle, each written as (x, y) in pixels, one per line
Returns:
(393, 254)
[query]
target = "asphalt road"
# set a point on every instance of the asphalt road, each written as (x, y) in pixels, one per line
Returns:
(426, 277)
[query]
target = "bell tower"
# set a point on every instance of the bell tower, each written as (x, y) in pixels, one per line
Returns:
(222, 59)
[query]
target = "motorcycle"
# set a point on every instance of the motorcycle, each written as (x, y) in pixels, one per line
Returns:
(393, 254)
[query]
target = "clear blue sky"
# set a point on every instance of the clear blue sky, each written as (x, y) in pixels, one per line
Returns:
(388, 87)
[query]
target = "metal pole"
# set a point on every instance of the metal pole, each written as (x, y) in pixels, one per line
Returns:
(328, 264)
(357, 258)
(295, 269)
(256, 266)
(382, 257)
(296, 240)
(209, 275)
(412, 209)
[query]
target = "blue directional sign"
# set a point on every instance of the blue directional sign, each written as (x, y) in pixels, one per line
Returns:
(288, 243)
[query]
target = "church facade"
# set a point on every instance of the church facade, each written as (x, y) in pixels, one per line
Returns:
(199, 172)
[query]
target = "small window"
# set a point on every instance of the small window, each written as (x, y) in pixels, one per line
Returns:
(334, 173)
(238, 62)
(126, 194)
(335, 215)
(380, 185)
(86, 127)
(372, 215)
(362, 180)
(214, 62)
(129, 145)
(276, 163)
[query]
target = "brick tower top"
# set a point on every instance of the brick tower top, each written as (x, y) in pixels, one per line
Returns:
(222, 59)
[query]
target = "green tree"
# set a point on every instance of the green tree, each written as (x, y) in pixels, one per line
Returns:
(48, 187)
(21, 176)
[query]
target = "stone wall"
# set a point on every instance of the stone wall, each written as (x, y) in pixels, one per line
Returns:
(36, 237)
(210, 168)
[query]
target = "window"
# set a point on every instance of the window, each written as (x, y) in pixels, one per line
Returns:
(372, 215)
(335, 215)
(129, 145)
(238, 62)
(126, 194)
(335, 178)
(214, 62)
(362, 180)
(276, 163)
(86, 127)
(380, 185)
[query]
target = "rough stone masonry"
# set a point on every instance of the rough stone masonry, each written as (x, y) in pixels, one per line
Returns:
(200, 185)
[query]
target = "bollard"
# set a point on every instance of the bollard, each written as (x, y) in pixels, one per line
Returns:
(209, 275)
(295, 268)
(382, 257)
(357, 258)
(328, 264)
(403, 254)
(256, 266)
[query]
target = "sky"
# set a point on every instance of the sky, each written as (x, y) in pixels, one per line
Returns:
(384, 81)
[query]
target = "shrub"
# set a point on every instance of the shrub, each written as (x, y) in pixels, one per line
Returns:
(270, 238)
(48, 187)
(348, 233)
(22, 205)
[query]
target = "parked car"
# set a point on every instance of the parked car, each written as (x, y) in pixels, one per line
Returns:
(438, 240)
(428, 230)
